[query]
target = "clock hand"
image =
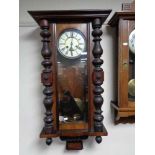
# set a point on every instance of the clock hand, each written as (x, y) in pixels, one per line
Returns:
(71, 43)
(71, 53)
(71, 39)
(63, 48)
(71, 48)
(66, 35)
(76, 51)
(78, 47)
(67, 52)
(71, 34)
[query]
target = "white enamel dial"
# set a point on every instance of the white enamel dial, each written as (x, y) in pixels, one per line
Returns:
(132, 41)
(71, 43)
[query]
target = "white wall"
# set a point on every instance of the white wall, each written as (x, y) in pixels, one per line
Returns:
(120, 140)
(26, 5)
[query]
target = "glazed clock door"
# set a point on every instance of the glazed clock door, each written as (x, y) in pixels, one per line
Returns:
(72, 84)
(131, 82)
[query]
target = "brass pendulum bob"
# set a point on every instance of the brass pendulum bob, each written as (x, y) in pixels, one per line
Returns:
(131, 87)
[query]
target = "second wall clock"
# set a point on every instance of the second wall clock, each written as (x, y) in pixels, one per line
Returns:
(124, 21)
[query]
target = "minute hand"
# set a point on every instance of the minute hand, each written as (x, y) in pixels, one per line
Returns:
(79, 47)
(71, 49)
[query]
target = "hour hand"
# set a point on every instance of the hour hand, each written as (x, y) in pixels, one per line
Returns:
(71, 50)
(71, 47)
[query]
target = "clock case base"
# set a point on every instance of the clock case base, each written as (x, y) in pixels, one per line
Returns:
(123, 115)
(74, 139)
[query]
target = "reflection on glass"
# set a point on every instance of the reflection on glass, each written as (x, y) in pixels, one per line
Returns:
(72, 88)
(131, 82)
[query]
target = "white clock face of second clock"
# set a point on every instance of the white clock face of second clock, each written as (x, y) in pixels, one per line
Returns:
(71, 43)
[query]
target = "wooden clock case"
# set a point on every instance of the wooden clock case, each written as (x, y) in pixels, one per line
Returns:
(124, 22)
(52, 23)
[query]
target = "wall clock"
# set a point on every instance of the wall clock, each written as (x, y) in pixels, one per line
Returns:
(72, 75)
(124, 22)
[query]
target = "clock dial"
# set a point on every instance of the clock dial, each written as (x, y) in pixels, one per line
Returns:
(71, 43)
(132, 41)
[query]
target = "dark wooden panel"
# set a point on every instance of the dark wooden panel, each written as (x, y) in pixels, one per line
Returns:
(123, 63)
(69, 15)
(90, 70)
(80, 125)
(98, 77)
(121, 15)
(46, 78)
(77, 145)
(74, 133)
(52, 29)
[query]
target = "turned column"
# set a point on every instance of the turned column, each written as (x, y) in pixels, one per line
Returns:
(98, 77)
(47, 78)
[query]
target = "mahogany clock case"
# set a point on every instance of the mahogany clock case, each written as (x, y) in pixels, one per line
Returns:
(124, 22)
(78, 80)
